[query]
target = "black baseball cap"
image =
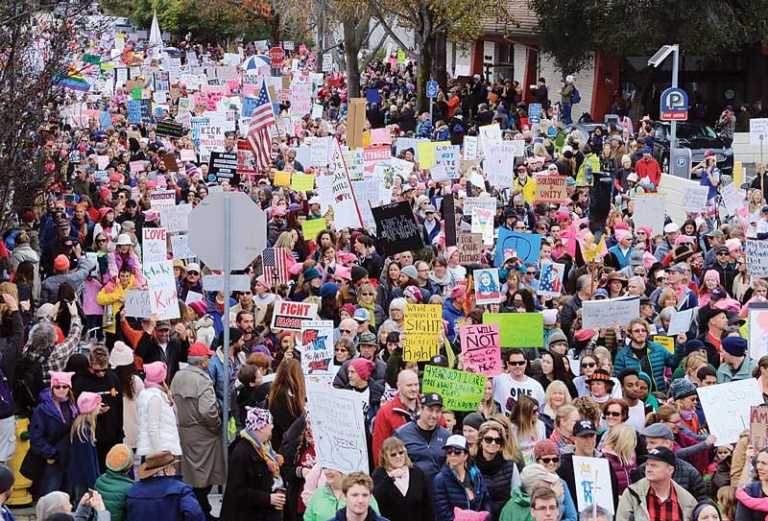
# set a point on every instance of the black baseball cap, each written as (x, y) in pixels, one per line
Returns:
(662, 454)
(430, 399)
(584, 428)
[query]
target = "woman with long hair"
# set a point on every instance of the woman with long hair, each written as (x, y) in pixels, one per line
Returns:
(566, 417)
(588, 363)
(459, 483)
(527, 428)
(389, 281)
(619, 450)
(107, 224)
(83, 457)
(400, 488)
(556, 395)
(553, 369)
(287, 397)
(497, 464)
(488, 406)
(752, 499)
(366, 299)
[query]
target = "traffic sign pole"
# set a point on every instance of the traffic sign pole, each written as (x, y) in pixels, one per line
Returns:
(225, 319)
(673, 125)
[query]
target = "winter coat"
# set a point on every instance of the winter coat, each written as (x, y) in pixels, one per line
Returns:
(162, 497)
(428, 456)
(83, 469)
(744, 513)
(684, 475)
(500, 477)
(324, 504)
(158, 429)
(391, 416)
(379, 375)
(113, 294)
(341, 515)
(416, 505)
(50, 287)
(216, 371)
(150, 351)
(48, 430)
(450, 493)
(109, 425)
(518, 508)
(658, 357)
(633, 505)
(113, 487)
(199, 420)
(249, 484)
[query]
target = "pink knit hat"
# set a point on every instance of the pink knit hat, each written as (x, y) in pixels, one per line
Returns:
(363, 367)
(60, 378)
(155, 372)
(88, 402)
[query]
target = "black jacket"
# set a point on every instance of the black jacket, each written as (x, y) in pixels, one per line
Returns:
(249, 485)
(416, 505)
(497, 474)
(565, 471)
(11, 340)
(109, 425)
(150, 351)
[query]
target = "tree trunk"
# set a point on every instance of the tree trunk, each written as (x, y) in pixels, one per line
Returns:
(439, 69)
(423, 72)
(351, 50)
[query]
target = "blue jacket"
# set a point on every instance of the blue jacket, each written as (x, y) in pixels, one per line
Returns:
(429, 457)
(658, 357)
(622, 259)
(450, 493)
(83, 469)
(341, 515)
(164, 497)
(48, 432)
(451, 314)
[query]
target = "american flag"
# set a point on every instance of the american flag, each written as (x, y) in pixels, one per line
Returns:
(262, 119)
(275, 265)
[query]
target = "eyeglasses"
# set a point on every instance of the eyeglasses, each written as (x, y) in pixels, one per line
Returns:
(612, 413)
(193, 273)
(547, 508)
(554, 459)
(522, 362)
(101, 240)
(397, 453)
(491, 439)
(61, 387)
(588, 365)
(367, 294)
(340, 350)
(454, 452)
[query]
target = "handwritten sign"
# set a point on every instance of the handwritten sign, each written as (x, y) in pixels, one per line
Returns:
(162, 289)
(137, 303)
(180, 247)
(758, 427)
(608, 312)
(397, 228)
(460, 390)
(550, 189)
(757, 258)
(649, 211)
(481, 349)
(154, 245)
(695, 198)
(422, 330)
(680, 322)
(525, 246)
(310, 228)
(518, 329)
(728, 406)
(316, 346)
(667, 342)
(161, 199)
(593, 483)
(176, 219)
(470, 248)
(289, 316)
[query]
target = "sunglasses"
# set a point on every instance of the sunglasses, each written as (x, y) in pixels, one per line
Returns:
(61, 387)
(517, 363)
(490, 439)
(550, 460)
(345, 330)
(454, 452)
(193, 273)
(588, 365)
(397, 453)
(612, 413)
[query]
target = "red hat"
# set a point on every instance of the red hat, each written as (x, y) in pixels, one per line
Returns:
(61, 263)
(583, 335)
(104, 210)
(198, 307)
(199, 349)
(363, 367)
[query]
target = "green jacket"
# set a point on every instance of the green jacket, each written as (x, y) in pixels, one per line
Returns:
(724, 374)
(518, 508)
(323, 505)
(591, 160)
(113, 487)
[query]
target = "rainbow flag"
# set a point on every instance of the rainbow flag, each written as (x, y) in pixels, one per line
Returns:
(72, 81)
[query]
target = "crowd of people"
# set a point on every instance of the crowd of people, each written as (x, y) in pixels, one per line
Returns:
(125, 413)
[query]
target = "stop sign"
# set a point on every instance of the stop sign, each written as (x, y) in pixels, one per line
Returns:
(247, 225)
(277, 55)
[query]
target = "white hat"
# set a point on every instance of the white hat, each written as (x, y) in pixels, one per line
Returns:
(632, 177)
(671, 228)
(314, 200)
(121, 355)
(45, 311)
(550, 317)
(193, 266)
(456, 441)
(124, 240)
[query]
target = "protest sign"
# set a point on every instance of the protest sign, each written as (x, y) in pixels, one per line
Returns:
(649, 211)
(136, 167)
(154, 245)
(550, 189)
(680, 322)
(161, 199)
(338, 427)
(471, 203)
(733, 198)
(470, 147)
(757, 323)
(551, 279)
(169, 128)
(302, 182)
(695, 199)
(282, 178)
(355, 160)
(757, 258)
(470, 248)
(169, 160)
(396, 227)
(481, 349)
(187, 154)
(727, 407)
(609, 312)
(345, 209)
(482, 223)
(518, 329)
(487, 287)
(320, 151)
(137, 303)
(300, 97)
(524, 246)
(180, 247)
(593, 483)
(289, 316)
(758, 427)
(460, 390)
(316, 346)
(311, 227)
(500, 163)
(381, 136)
(667, 342)
(161, 282)
(176, 218)
(223, 165)
(422, 330)
(447, 156)
(489, 135)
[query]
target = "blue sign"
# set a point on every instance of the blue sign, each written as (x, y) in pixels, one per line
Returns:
(534, 113)
(432, 87)
(551, 132)
(673, 105)
(134, 111)
(523, 246)
(372, 96)
(249, 105)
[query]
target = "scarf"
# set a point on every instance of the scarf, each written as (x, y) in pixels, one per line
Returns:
(400, 477)
(488, 467)
(760, 504)
(371, 308)
(265, 452)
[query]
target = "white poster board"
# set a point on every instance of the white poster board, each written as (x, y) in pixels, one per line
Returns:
(695, 199)
(727, 407)
(758, 128)
(649, 211)
(609, 312)
(757, 258)
(163, 299)
(176, 219)
(680, 322)
(593, 483)
(317, 346)
(137, 303)
(758, 330)
(154, 245)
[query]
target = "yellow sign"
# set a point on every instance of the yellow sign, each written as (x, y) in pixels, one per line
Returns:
(426, 152)
(312, 227)
(738, 173)
(282, 178)
(303, 182)
(667, 342)
(422, 329)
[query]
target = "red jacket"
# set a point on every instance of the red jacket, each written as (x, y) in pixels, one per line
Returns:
(649, 168)
(390, 417)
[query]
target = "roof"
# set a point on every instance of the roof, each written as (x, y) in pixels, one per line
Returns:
(525, 20)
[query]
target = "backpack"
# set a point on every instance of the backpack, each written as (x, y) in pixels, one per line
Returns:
(575, 96)
(29, 383)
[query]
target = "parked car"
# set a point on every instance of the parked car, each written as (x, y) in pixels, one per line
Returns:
(696, 136)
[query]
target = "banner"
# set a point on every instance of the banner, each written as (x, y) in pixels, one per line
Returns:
(154, 245)
(161, 282)
(422, 331)
(481, 349)
(338, 427)
(460, 390)
(316, 346)
(758, 427)
(487, 286)
(609, 312)
(518, 329)
(289, 316)
(593, 483)
(396, 227)
(728, 407)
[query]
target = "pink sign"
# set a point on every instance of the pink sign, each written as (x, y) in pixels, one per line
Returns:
(481, 349)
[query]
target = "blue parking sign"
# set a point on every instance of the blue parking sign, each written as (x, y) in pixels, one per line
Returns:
(432, 87)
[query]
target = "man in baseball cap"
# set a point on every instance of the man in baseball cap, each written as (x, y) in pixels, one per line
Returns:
(424, 439)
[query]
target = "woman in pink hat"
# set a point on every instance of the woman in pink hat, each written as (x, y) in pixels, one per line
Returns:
(83, 467)
(157, 430)
(48, 456)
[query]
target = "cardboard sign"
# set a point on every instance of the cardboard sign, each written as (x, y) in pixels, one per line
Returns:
(481, 349)
(609, 312)
(550, 189)
(161, 282)
(649, 211)
(470, 248)
(593, 483)
(169, 128)
(355, 123)
(728, 407)
(396, 228)
(422, 330)
(153, 245)
(757, 258)
(758, 427)
(518, 329)
(289, 316)
(223, 165)
(316, 346)
(487, 286)
(524, 246)
(460, 390)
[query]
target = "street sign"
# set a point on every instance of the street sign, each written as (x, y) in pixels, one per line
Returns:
(247, 230)
(673, 105)
(277, 55)
(432, 87)
(534, 113)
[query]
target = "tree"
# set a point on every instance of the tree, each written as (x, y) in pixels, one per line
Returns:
(458, 20)
(35, 45)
